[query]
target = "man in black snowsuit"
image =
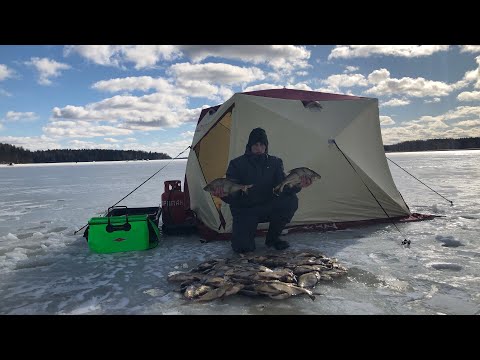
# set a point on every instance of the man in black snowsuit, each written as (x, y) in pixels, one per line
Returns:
(260, 203)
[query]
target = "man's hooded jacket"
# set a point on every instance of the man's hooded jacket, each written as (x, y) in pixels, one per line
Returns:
(264, 171)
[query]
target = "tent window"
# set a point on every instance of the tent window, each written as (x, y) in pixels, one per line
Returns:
(213, 150)
(312, 105)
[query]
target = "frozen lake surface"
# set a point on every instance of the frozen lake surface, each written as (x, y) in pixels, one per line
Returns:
(45, 269)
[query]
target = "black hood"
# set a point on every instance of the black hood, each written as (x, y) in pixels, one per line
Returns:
(256, 135)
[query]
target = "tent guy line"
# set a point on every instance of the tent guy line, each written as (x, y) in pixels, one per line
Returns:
(451, 202)
(131, 192)
(405, 241)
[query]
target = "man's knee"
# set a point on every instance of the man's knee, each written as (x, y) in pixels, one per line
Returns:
(287, 203)
(293, 203)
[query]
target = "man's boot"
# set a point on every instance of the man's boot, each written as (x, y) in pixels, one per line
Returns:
(273, 236)
(278, 244)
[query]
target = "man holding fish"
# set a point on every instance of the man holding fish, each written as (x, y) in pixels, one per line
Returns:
(258, 191)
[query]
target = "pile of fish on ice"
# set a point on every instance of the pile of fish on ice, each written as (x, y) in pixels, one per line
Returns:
(277, 276)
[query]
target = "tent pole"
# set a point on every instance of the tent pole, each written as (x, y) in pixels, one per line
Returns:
(405, 241)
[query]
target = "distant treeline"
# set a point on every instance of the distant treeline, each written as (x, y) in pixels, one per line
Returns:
(19, 155)
(435, 144)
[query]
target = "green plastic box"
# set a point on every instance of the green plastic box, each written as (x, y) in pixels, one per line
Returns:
(122, 233)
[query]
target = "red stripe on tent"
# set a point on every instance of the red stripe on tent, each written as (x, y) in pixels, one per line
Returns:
(209, 234)
(301, 95)
(292, 94)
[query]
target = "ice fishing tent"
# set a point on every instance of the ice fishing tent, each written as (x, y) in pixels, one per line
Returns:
(338, 136)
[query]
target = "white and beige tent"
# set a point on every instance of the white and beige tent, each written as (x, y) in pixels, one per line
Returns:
(338, 136)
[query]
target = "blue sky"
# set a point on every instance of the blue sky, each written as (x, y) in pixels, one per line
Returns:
(149, 97)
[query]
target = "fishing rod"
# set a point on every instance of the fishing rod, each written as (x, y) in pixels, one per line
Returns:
(405, 240)
(131, 192)
(451, 202)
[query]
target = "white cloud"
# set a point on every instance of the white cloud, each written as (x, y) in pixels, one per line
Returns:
(78, 112)
(409, 51)
(468, 123)
(141, 83)
(188, 134)
(5, 72)
(470, 48)
(277, 77)
(142, 56)
(338, 81)
(384, 85)
(437, 125)
(164, 121)
(328, 90)
(386, 120)
(32, 143)
(197, 88)
(471, 76)
(411, 131)
(165, 110)
(469, 96)
(378, 76)
(458, 132)
(4, 92)
(349, 69)
(406, 86)
(82, 144)
(108, 55)
(174, 148)
(280, 57)
(460, 112)
(414, 87)
(46, 69)
(224, 74)
(434, 100)
(434, 127)
(396, 102)
(62, 129)
(111, 140)
(298, 86)
(224, 93)
(18, 116)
